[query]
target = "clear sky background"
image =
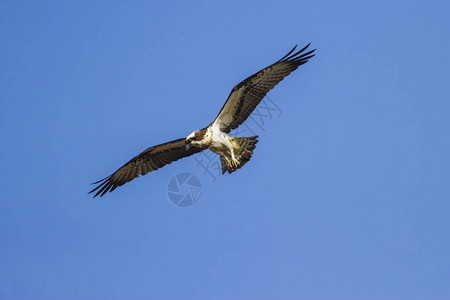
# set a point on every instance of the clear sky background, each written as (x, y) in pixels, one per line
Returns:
(346, 197)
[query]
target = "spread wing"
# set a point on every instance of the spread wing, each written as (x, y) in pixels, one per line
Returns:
(248, 94)
(150, 160)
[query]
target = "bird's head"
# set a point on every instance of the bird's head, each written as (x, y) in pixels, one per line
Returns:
(194, 139)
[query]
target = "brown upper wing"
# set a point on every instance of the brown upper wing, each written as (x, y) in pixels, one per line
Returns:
(248, 94)
(150, 160)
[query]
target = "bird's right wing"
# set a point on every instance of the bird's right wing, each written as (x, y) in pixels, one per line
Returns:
(150, 160)
(246, 95)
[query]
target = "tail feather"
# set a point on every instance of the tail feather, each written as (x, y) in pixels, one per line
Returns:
(224, 164)
(243, 154)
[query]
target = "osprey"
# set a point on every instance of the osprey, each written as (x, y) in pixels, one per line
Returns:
(234, 152)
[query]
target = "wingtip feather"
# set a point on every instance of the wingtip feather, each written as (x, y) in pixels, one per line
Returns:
(295, 47)
(102, 184)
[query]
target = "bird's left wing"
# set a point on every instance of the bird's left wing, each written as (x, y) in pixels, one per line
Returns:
(246, 95)
(150, 160)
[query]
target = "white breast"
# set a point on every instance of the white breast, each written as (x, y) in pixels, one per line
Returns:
(220, 140)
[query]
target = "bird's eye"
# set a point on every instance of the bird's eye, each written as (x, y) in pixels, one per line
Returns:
(186, 141)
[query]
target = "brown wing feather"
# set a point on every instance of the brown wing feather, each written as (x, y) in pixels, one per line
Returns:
(150, 160)
(246, 95)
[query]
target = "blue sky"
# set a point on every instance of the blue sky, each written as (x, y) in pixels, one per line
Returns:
(346, 196)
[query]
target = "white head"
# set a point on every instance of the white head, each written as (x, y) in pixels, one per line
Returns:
(195, 139)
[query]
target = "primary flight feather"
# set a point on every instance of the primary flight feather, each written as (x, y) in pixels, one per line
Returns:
(234, 152)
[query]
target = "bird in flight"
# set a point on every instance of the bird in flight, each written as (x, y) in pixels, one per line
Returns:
(234, 152)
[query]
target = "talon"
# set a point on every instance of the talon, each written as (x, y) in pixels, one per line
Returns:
(235, 163)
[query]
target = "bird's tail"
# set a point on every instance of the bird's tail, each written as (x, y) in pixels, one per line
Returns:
(242, 154)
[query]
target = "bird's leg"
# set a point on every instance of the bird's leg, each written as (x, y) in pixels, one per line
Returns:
(229, 163)
(234, 161)
(231, 146)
